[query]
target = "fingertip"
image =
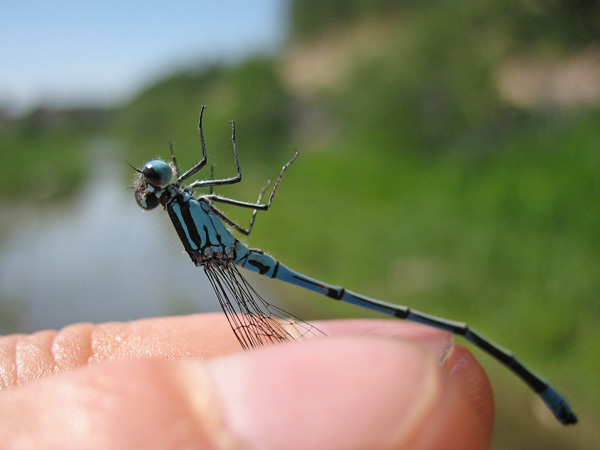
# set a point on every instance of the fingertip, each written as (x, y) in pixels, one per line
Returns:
(463, 416)
(345, 393)
(475, 384)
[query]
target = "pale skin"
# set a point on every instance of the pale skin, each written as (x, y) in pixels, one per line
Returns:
(184, 382)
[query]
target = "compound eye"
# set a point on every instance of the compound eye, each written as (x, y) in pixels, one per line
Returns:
(147, 200)
(158, 173)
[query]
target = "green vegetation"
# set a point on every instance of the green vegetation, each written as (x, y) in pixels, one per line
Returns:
(42, 152)
(418, 182)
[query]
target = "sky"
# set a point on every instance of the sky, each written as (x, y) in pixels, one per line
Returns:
(67, 53)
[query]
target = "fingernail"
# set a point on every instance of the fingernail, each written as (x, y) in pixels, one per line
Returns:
(441, 343)
(442, 346)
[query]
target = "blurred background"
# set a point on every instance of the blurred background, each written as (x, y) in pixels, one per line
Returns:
(449, 161)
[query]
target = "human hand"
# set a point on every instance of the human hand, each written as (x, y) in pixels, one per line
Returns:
(183, 382)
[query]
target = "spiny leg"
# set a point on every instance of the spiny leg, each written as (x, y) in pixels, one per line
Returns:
(175, 165)
(234, 225)
(212, 177)
(222, 181)
(199, 165)
(250, 205)
(253, 217)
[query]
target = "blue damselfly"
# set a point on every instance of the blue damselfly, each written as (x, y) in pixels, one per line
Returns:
(203, 230)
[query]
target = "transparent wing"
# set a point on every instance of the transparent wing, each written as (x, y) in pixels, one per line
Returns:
(254, 321)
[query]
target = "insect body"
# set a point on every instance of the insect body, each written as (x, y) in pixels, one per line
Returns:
(205, 233)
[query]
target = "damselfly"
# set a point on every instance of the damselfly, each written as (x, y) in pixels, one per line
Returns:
(203, 230)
